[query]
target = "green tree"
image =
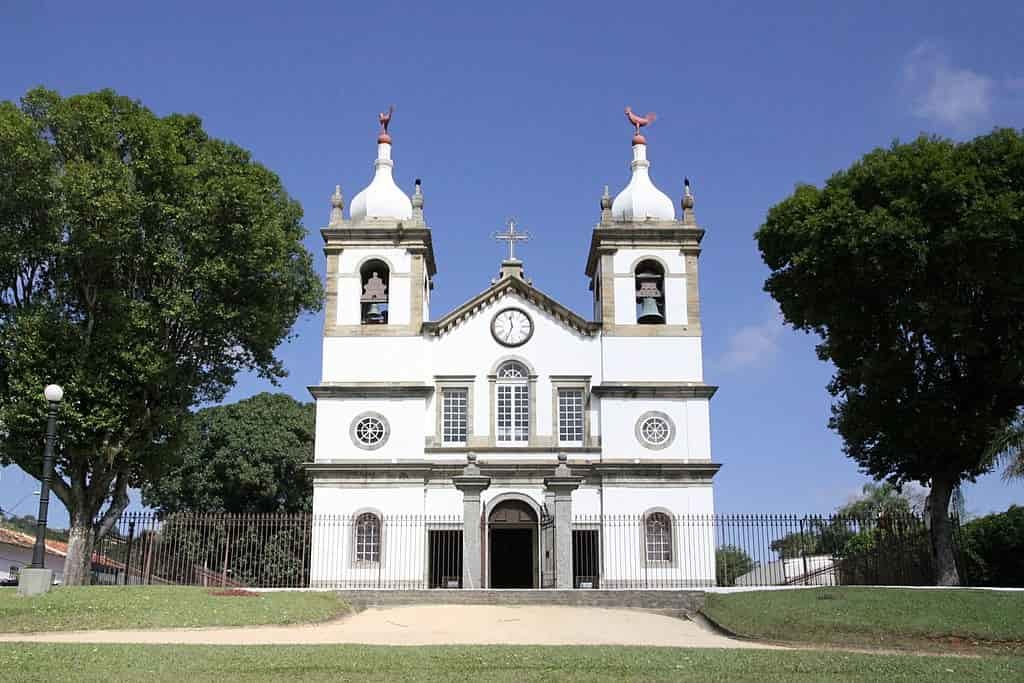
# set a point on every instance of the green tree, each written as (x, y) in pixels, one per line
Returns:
(1007, 449)
(243, 457)
(730, 562)
(143, 264)
(876, 499)
(907, 265)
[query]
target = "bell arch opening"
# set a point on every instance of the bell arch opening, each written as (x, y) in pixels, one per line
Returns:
(373, 302)
(650, 293)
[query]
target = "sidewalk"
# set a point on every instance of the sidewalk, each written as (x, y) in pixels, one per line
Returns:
(438, 625)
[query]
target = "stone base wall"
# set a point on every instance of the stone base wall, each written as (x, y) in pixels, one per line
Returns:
(681, 602)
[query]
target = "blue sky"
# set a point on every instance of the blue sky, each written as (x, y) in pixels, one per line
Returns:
(516, 109)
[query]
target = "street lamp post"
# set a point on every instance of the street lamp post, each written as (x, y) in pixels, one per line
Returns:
(53, 394)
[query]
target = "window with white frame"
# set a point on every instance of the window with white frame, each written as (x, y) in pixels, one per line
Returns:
(512, 416)
(454, 415)
(570, 416)
(658, 529)
(367, 538)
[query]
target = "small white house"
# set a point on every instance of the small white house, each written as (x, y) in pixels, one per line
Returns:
(16, 554)
(811, 570)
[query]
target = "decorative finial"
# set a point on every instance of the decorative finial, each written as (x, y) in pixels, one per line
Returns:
(606, 200)
(471, 458)
(385, 119)
(562, 457)
(687, 195)
(638, 123)
(337, 204)
(687, 203)
(417, 196)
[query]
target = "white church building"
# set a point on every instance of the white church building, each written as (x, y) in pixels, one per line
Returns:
(511, 442)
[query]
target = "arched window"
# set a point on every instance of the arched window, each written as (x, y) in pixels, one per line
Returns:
(373, 302)
(367, 538)
(658, 533)
(513, 410)
(650, 293)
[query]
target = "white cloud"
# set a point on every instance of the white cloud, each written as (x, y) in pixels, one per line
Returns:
(946, 93)
(753, 345)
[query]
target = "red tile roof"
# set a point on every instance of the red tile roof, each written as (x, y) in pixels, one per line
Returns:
(23, 540)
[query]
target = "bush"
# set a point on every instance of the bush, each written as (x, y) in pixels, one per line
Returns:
(993, 549)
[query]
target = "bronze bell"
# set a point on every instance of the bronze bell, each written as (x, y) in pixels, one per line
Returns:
(648, 294)
(649, 312)
(374, 316)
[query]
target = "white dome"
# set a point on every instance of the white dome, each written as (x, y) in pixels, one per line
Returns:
(641, 200)
(381, 198)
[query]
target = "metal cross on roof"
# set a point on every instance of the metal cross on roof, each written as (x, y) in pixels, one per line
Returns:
(511, 237)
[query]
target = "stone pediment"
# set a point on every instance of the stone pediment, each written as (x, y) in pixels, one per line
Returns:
(525, 291)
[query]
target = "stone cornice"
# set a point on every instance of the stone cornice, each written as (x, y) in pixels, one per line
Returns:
(611, 471)
(416, 238)
(512, 449)
(528, 292)
(653, 390)
(371, 390)
(608, 237)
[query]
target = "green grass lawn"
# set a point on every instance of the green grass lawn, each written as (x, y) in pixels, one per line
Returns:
(21, 662)
(876, 617)
(120, 607)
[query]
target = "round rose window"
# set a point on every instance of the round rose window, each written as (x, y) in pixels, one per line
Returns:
(370, 431)
(655, 430)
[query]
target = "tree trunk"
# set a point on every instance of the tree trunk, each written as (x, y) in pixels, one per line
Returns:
(943, 557)
(78, 563)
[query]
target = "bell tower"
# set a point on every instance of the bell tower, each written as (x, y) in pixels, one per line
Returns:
(643, 266)
(380, 261)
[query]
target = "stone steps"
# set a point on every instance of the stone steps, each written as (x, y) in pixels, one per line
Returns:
(681, 602)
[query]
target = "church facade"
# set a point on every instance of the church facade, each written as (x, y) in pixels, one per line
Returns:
(510, 433)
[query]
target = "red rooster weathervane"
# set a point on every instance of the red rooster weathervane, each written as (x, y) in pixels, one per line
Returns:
(385, 118)
(639, 122)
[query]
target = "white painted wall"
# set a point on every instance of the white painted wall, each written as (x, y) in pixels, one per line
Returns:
(376, 359)
(652, 359)
(620, 416)
(334, 418)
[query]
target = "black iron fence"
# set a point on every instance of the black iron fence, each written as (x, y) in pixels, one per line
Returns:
(656, 550)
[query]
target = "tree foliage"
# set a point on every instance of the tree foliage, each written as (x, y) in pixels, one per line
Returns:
(830, 535)
(143, 264)
(242, 457)
(731, 561)
(993, 549)
(907, 265)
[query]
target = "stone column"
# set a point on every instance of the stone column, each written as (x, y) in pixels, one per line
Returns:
(561, 486)
(471, 482)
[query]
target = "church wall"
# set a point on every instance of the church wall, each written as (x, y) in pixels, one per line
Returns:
(375, 359)
(652, 359)
(620, 417)
(470, 349)
(695, 499)
(334, 421)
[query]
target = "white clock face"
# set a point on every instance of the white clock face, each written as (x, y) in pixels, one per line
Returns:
(512, 327)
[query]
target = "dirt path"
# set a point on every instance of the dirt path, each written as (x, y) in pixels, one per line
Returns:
(438, 625)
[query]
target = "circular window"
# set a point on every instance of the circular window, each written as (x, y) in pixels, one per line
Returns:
(370, 431)
(655, 430)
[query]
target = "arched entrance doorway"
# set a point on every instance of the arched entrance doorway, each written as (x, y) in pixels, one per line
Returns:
(512, 545)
